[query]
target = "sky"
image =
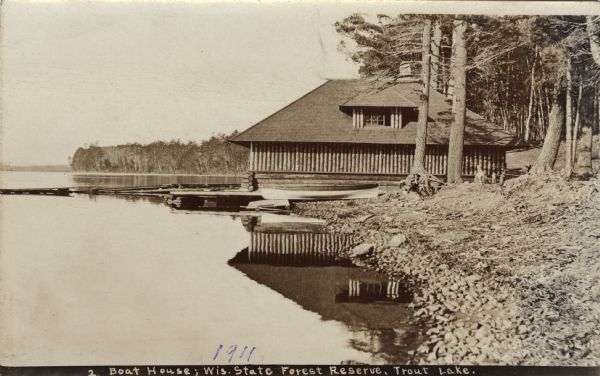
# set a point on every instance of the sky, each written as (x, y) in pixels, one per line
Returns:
(75, 73)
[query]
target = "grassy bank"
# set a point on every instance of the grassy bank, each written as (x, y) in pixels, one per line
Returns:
(504, 275)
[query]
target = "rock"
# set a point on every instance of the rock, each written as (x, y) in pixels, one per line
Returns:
(461, 350)
(522, 329)
(473, 349)
(472, 278)
(482, 333)
(437, 346)
(450, 338)
(397, 240)
(359, 263)
(362, 249)
(461, 333)
(471, 341)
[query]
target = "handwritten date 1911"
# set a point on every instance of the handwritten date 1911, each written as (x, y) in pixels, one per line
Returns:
(231, 353)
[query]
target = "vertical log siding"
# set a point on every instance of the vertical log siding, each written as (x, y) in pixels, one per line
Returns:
(368, 158)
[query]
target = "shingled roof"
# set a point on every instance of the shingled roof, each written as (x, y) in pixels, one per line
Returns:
(392, 96)
(318, 117)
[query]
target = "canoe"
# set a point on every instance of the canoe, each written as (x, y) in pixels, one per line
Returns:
(268, 205)
(321, 192)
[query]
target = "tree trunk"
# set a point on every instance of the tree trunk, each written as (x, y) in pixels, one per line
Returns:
(577, 123)
(421, 138)
(450, 92)
(547, 157)
(436, 42)
(592, 31)
(569, 126)
(597, 109)
(457, 129)
(584, 148)
(541, 117)
(531, 100)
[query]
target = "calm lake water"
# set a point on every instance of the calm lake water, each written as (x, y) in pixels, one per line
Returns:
(107, 281)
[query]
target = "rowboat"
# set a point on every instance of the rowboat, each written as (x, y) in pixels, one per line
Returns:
(321, 192)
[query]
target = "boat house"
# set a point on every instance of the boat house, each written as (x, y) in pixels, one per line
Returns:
(346, 130)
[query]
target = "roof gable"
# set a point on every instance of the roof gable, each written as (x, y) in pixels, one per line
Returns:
(318, 117)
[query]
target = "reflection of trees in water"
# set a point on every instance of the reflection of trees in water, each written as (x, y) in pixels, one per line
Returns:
(151, 199)
(107, 180)
(385, 345)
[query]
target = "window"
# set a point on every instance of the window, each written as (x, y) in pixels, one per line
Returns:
(376, 117)
(383, 117)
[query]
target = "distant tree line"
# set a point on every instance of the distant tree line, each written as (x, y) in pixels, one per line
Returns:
(215, 155)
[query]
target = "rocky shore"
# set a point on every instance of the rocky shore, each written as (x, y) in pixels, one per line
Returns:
(500, 275)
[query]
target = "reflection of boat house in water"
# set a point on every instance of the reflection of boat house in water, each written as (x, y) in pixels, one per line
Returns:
(319, 249)
(345, 130)
(295, 249)
(307, 268)
(370, 291)
(292, 240)
(371, 305)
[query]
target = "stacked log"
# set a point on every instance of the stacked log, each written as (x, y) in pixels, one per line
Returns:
(249, 182)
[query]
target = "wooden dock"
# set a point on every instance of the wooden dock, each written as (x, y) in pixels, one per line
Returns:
(37, 191)
(211, 200)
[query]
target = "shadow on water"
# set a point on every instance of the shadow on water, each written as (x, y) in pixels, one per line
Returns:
(151, 199)
(139, 180)
(310, 269)
(134, 180)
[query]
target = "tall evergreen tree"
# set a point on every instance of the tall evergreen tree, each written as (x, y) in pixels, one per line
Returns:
(459, 77)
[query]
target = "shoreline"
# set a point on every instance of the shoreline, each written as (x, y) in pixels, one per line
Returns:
(500, 275)
(120, 173)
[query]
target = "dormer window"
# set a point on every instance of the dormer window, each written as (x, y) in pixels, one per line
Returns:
(378, 117)
(391, 107)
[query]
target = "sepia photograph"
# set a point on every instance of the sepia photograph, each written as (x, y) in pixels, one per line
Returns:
(299, 188)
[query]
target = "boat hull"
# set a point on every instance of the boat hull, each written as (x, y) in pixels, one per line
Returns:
(321, 193)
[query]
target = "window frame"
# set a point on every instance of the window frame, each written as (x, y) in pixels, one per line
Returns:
(381, 116)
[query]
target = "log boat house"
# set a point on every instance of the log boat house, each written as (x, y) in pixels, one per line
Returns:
(346, 130)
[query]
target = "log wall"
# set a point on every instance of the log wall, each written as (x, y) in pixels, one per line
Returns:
(491, 158)
(337, 158)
